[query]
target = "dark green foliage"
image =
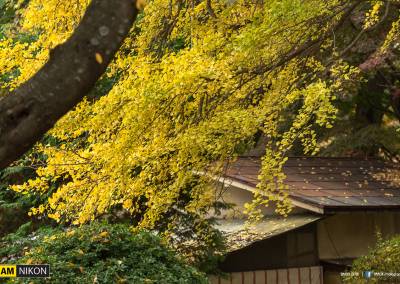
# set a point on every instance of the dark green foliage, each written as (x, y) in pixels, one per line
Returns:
(100, 253)
(8, 11)
(14, 245)
(367, 141)
(14, 206)
(385, 257)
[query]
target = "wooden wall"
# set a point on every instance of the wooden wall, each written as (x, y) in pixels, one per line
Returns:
(350, 235)
(303, 275)
(296, 248)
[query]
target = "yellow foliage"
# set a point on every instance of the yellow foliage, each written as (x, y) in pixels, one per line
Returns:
(372, 16)
(192, 91)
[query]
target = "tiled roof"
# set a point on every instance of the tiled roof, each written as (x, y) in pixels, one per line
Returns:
(330, 184)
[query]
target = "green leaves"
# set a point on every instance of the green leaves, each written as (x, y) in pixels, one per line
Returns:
(384, 257)
(108, 253)
(188, 92)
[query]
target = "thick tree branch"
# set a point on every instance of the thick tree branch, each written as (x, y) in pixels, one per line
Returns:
(71, 72)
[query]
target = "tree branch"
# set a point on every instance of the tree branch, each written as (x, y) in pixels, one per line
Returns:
(71, 72)
(363, 31)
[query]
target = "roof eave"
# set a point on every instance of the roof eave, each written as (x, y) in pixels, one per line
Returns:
(295, 202)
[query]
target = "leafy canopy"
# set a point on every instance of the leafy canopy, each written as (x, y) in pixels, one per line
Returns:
(194, 83)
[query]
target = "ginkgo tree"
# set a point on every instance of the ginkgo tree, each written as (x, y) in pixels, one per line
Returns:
(192, 85)
(58, 80)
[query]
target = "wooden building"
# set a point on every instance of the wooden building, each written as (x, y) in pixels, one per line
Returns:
(339, 206)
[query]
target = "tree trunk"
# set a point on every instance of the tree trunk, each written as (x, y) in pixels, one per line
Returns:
(71, 72)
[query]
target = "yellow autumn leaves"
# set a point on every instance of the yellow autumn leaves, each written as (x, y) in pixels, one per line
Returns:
(190, 91)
